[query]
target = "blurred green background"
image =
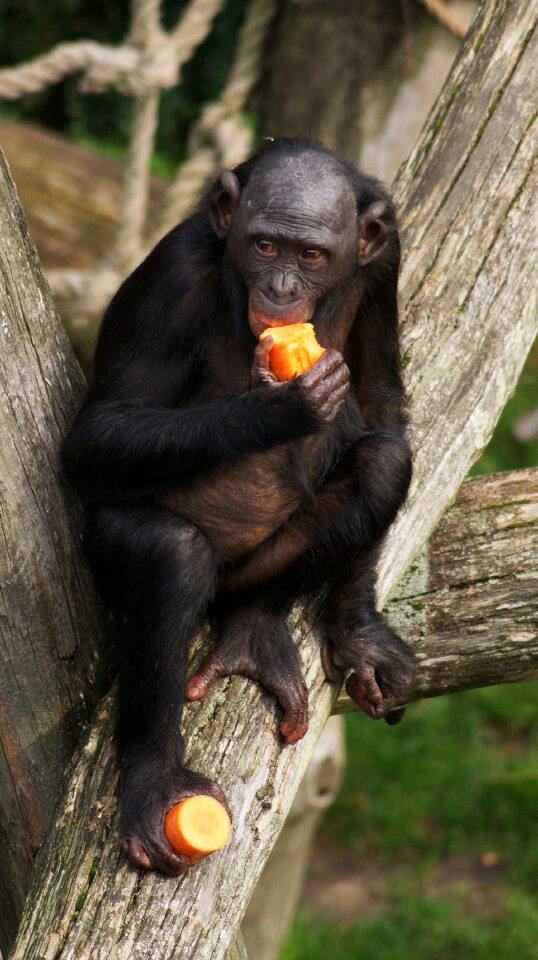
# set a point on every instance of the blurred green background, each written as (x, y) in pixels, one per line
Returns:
(432, 845)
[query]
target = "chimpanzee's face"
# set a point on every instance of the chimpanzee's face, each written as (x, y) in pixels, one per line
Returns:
(293, 238)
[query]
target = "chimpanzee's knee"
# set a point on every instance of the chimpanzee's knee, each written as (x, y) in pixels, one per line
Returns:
(138, 553)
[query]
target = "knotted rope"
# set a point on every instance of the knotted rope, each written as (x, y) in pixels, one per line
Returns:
(149, 60)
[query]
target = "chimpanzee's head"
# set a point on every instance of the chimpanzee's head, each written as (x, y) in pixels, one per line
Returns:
(294, 231)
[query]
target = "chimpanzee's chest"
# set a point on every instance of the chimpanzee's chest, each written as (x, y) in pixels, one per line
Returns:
(225, 369)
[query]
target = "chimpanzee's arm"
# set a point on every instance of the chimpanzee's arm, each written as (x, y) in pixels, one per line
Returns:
(127, 446)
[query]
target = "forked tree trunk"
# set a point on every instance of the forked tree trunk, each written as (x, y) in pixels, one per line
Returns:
(467, 202)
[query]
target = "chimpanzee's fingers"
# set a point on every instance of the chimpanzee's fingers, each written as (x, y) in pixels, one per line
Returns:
(328, 410)
(261, 371)
(211, 669)
(326, 366)
(332, 671)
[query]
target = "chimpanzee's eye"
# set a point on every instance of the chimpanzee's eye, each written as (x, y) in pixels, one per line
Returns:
(312, 254)
(265, 246)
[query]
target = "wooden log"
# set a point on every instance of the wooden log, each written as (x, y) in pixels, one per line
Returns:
(71, 195)
(468, 323)
(467, 605)
(468, 200)
(50, 626)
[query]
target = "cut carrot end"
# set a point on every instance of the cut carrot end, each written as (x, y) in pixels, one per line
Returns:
(295, 349)
(197, 826)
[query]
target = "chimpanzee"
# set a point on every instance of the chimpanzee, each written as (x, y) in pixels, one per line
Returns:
(209, 484)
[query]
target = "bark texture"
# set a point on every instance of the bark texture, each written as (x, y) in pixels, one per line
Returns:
(467, 201)
(49, 623)
(272, 908)
(343, 52)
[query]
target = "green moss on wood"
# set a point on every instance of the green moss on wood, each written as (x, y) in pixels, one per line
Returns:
(81, 900)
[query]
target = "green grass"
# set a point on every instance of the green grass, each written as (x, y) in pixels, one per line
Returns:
(458, 778)
(422, 929)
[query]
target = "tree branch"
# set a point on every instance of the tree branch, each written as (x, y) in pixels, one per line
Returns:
(468, 604)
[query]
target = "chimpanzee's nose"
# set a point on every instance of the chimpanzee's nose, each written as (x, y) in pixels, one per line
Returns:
(282, 287)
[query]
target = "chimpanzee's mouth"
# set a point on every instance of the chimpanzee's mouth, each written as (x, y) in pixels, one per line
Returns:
(276, 314)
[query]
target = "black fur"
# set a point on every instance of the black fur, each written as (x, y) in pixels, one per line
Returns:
(164, 411)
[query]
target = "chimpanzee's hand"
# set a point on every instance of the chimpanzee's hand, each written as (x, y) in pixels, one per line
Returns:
(321, 390)
(383, 667)
(148, 789)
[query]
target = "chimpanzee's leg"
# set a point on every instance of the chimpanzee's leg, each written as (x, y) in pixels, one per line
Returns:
(158, 572)
(360, 638)
(255, 641)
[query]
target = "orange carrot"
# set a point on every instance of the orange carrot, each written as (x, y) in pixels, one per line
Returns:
(197, 826)
(295, 349)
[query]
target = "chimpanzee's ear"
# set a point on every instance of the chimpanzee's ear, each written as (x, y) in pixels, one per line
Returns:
(374, 231)
(223, 204)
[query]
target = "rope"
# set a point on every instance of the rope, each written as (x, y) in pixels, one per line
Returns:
(65, 59)
(448, 18)
(127, 248)
(221, 138)
(150, 60)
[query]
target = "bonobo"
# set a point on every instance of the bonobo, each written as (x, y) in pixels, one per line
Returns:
(208, 484)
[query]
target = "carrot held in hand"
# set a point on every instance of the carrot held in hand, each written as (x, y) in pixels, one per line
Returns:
(197, 826)
(295, 349)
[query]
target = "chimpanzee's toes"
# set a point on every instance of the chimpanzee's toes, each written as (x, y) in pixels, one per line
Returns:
(293, 731)
(168, 862)
(333, 666)
(364, 690)
(382, 668)
(225, 661)
(146, 795)
(136, 853)
(293, 698)
(295, 724)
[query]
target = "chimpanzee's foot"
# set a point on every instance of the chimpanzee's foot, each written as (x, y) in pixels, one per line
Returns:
(383, 667)
(147, 791)
(257, 644)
